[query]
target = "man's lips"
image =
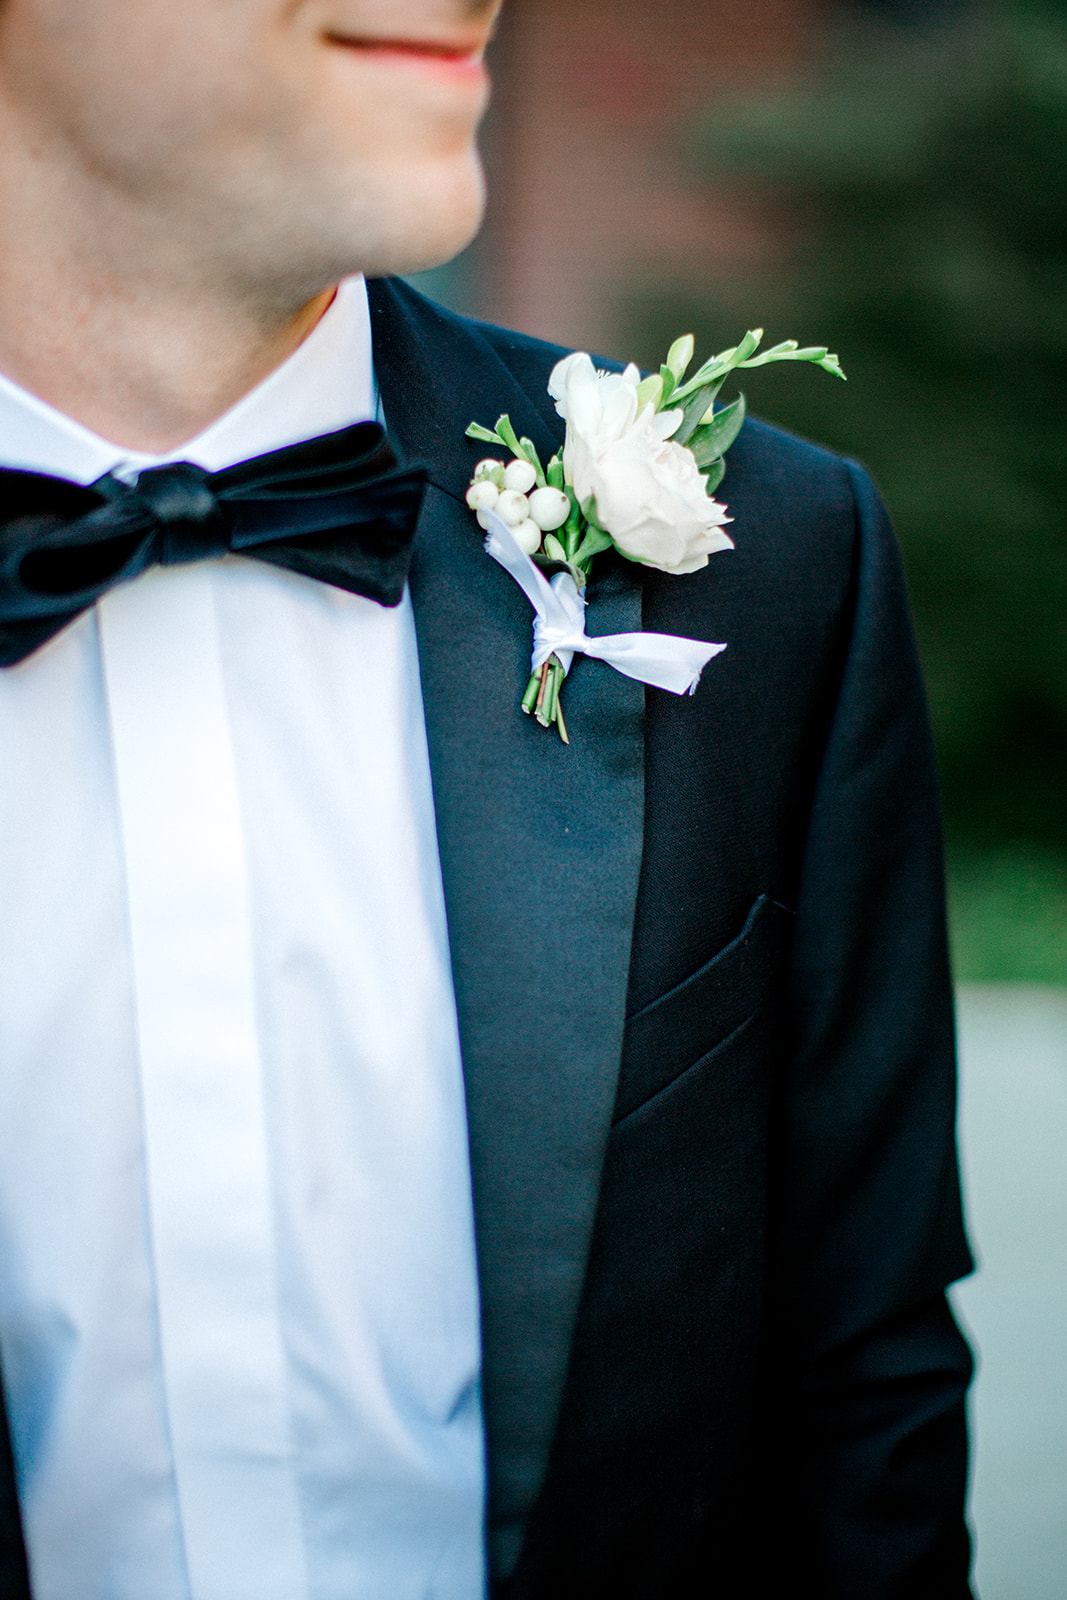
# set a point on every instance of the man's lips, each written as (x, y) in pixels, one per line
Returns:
(464, 57)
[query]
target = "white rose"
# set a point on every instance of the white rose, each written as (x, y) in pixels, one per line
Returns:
(651, 498)
(649, 493)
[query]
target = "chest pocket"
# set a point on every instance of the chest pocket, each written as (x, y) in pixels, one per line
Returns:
(687, 1023)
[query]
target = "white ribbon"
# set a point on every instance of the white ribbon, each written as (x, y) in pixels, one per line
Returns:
(661, 659)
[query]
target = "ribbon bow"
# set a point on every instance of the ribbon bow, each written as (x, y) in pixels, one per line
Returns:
(337, 508)
(663, 660)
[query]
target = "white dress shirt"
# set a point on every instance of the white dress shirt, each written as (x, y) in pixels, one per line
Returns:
(238, 1297)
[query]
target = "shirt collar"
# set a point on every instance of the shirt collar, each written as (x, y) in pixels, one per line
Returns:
(326, 384)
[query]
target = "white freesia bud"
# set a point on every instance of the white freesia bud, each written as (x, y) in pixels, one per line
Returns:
(528, 537)
(512, 508)
(680, 355)
(520, 476)
(550, 509)
(482, 495)
(484, 468)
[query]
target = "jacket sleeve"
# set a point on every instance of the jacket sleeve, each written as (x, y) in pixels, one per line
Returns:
(867, 1451)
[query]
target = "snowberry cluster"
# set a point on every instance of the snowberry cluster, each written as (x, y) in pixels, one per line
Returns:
(510, 490)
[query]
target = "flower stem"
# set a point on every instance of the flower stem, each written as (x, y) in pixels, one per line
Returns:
(542, 696)
(542, 690)
(546, 710)
(529, 699)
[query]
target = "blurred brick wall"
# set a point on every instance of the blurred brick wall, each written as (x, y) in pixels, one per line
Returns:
(591, 189)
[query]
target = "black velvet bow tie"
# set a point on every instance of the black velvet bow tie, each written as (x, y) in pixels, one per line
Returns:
(336, 508)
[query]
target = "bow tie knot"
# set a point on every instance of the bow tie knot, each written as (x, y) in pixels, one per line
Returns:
(191, 524)
(337, 508)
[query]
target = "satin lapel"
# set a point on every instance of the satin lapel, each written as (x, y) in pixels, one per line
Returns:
(540, 853)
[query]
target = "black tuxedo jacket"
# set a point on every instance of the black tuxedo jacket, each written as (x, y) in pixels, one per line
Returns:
(704, 1005)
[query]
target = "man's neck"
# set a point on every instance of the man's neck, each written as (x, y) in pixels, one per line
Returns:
(147, 378)
(134, 338)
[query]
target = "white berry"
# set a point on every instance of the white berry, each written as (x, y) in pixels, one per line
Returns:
(484, 468)
(528, 537)
(512, 508)
(482, 495)
(520, 476)
(550, 509)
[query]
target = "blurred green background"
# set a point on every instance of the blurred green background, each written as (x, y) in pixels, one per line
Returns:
(923, 178)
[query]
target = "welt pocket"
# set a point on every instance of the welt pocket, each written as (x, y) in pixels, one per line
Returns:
(673, 1031)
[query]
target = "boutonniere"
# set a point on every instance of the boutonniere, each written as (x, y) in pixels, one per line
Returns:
(640, 464)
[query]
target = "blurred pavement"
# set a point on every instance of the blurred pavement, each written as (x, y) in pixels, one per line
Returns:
(1013, 1043)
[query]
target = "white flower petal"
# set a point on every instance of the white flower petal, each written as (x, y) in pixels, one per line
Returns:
(666, 423)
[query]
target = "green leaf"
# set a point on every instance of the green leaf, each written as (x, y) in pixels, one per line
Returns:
(486, 435)
(508, 436)
(553, 549)
(712, 393)
(670, 383)
(692, 416)
(554, 472)
(714, 473)
(529, 450)
(680, 355)
(715, 437)
(574, 527)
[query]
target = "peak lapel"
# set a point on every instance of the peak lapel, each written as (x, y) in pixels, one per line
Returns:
(540, 852)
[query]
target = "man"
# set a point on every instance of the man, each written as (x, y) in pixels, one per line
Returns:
(690, 1335)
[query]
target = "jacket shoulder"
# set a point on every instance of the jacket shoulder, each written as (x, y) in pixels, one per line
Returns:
(529, 360)
(435, 327)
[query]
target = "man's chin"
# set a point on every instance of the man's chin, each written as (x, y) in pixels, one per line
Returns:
(427, 237)
(409, 220)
